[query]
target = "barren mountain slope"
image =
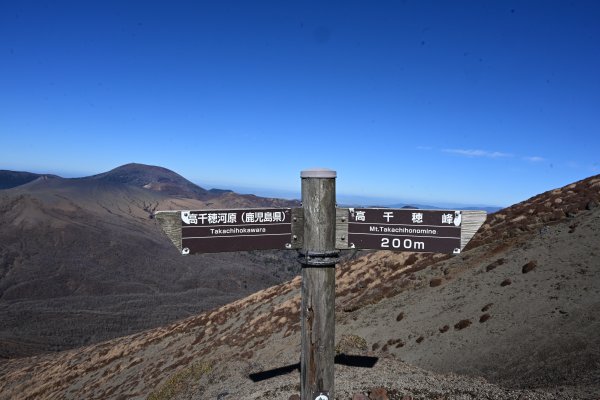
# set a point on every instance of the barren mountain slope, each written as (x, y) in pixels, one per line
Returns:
(11, 179)
(153, 178)
(159, 179)
(82, 261)
(518, 310)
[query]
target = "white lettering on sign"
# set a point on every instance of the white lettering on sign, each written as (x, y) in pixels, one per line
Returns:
(397, 243)
(224, 218)
(231, 231)
(212, 218)
(448, 219)
(360, 216)
(417, 218)
(263, 216)
(404, 230)
(387, 215)
(208, 218)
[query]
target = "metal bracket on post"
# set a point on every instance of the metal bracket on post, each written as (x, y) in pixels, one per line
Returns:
(318, 259)
(342, 216)
(297, 228)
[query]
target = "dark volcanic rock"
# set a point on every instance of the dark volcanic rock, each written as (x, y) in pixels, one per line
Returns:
(462, 324)
(530, 266)
(591, 205)
(435, 282)
(379, 394)
(495, 264)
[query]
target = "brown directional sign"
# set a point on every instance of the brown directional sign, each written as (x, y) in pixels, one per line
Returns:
(213, 231)
(308, 228)
(437, 231)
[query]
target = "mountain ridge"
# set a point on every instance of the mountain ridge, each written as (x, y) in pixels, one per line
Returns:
(10, 179)
(513, 315)
(157, 180)
(154, 178)
(83, 260)
(161, 179)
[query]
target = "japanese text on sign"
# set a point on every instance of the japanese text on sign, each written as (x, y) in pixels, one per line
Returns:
(211, 231)
(224, 218)
(405, 229)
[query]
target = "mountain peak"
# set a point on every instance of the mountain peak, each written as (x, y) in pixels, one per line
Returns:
(154, 178)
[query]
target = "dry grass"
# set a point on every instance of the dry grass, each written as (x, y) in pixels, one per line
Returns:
(249, 323)
(351, 343)
(180, 380)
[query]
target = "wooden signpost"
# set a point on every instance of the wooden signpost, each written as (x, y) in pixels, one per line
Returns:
(415, 230)
(318, 258)
(216, 231)
(319, 230)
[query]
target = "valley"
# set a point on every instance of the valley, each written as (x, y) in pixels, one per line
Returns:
(82, 260)
(514, 316)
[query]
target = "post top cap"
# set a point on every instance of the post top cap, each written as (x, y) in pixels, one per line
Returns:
(318, 173)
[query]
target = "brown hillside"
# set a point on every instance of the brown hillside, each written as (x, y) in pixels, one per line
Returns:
(153, 178)
(11, 179)
(82, 261)
(462, 333)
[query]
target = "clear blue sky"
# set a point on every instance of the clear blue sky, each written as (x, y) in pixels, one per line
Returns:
(481, 102)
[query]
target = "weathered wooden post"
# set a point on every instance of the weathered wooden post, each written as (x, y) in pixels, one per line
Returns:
(318, 257)
(319, 231)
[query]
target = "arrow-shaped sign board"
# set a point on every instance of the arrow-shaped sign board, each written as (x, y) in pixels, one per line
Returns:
(437, 231)
(416, 230)
(215, 231)
(311, 229)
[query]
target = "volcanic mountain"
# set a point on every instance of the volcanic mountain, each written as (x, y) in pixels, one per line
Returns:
(154, 178)
(82, 260)
(514, 316)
